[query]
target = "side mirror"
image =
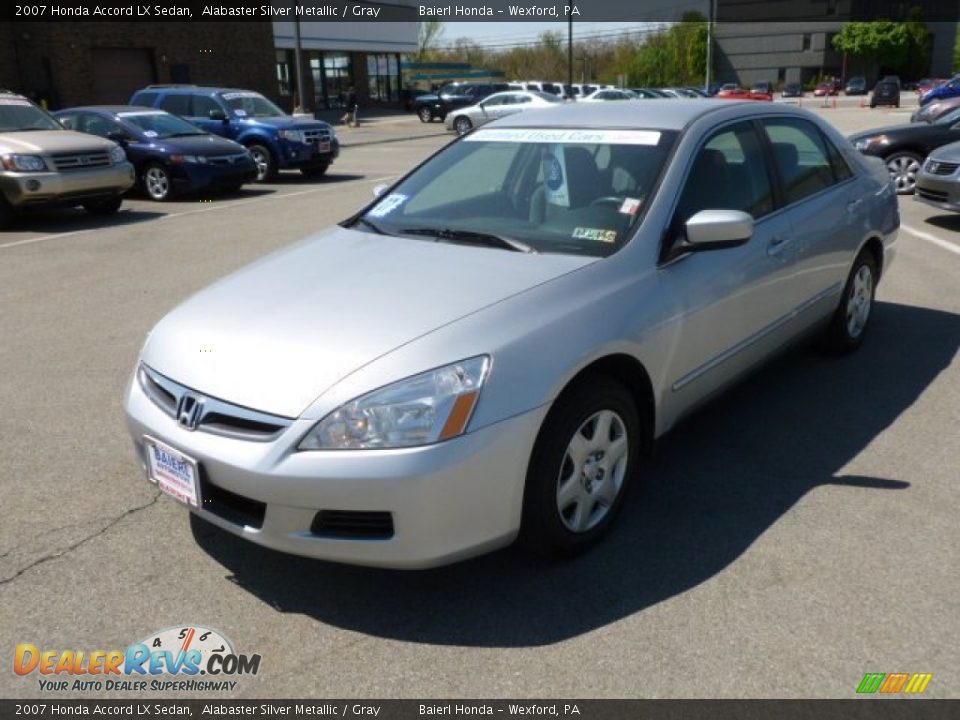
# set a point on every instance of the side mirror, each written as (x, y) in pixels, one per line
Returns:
(218, 115)
(718, 229)
(380, 189)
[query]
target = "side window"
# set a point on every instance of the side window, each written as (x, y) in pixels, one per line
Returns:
(202, 105)
(144, 99)
(96, 124)
(841, 171)
(495, 101)
(521, 99)
(69, 121)
(176, 104)
(800, 156)
(728, 173)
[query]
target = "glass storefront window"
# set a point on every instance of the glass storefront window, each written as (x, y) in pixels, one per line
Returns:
(383, 81)
(285, 81)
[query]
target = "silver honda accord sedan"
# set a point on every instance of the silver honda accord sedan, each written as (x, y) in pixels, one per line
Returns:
(488, 349)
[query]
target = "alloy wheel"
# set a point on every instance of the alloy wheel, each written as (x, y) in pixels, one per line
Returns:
(156, 181)
(860, 301)
(903, 171)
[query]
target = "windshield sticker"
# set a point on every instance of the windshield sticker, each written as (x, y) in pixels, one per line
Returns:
(543, 135)
(631, 206)
(150, 133)
(234, 95)
(14, 101)
(554, 177)
(598, 234)
(240, 113)
(387, 205)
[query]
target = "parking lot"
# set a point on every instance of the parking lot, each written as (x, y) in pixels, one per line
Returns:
(794, 535)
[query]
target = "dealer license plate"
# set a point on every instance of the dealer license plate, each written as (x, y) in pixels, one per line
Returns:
(172, 471)
(322, 147)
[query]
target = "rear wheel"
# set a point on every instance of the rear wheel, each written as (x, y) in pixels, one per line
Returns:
(425, 115)
(581, 466)
(157, 183)
(849, 324)
(266, 165)
(903, 168)
(107, 206)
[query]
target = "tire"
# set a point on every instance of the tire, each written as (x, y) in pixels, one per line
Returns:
(849, 323)
(107, 206)
(903, 168)
(6, 213)
(234, 188)
(576, 481)
(315, 172)
(462, 125)
(157, 183)
(266, 163)
(425, 114)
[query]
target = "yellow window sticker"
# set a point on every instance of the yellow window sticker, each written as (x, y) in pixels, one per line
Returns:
(598, 234)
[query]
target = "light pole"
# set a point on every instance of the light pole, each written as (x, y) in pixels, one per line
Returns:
(298, 64)
(570, 50)
(710, 21)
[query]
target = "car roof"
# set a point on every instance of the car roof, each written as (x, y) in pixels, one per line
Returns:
(110, 109)
(660, 114)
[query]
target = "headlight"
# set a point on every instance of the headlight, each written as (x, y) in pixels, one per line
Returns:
(870, 142)
(293, 135)
(117, 155)
(24, 163)
(190, 159)
(423, 409)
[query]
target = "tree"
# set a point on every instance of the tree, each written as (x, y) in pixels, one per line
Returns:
(904, 46)
(431, 33)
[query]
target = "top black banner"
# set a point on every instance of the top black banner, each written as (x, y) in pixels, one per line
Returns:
(476, 10)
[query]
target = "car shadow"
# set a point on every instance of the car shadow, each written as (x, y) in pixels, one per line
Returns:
(298, 178)
(947, 221)
(61, 220)
(715, 485)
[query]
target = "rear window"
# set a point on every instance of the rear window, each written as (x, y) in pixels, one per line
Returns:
(147, 99)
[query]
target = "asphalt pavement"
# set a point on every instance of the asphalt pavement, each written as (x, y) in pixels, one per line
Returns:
(797, 533)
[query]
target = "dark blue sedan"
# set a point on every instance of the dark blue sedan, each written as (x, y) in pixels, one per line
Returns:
(170, 154)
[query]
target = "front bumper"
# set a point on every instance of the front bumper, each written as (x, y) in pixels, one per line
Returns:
(940, 191)
(202, 177)
(303, 155)
(23, 189)
(448, 501)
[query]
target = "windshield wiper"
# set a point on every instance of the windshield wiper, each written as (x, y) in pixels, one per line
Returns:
(184, 134)
(473, 238)
(370, 224)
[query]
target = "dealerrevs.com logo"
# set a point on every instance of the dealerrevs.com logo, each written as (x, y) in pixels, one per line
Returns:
(183, 658)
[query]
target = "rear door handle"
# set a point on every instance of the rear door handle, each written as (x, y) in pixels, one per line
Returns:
(778, 243)
(853, 205)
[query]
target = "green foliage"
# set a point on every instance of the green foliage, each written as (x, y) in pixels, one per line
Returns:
(677, 56)
(904, 46)
(431, 33)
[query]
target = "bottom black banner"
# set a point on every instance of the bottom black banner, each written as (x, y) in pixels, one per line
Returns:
(861, 709)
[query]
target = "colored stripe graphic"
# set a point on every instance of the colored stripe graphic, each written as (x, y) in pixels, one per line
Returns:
(894, 682)
(870, 683)
(918, 682)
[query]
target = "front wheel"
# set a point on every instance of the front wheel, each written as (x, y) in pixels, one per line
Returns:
(582, 463)
(103, 207)
(903, 168)
(462, 125)
(157, 183)
(425, 115)
(849, 324)
(266, 165)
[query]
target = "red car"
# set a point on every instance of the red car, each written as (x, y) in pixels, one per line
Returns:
(743, 94)
(831, 87)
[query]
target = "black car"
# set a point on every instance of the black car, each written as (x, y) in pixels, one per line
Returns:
(904, 147)
(169, 154)
(452, 96)
(792, 90)
(886, 92)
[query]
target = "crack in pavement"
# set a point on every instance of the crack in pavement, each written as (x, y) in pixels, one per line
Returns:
(82, 541)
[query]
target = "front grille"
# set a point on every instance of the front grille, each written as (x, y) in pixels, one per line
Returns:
(230, 506)
(227, 159)
(81, 161)
(316, 136)
(350, 524)
(935, 195)
(942, 168)
(214, 416)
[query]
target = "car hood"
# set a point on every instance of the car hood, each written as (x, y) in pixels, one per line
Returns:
(276, 334)
(200, 145)
(429, 98)
(287, 122)
(947, 153)
(894, 130)
(36, 142)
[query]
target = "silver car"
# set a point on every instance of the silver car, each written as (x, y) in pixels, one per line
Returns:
(938, 182)
(489, 347)
(497, 106)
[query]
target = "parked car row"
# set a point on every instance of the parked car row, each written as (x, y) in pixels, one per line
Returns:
(169, 140)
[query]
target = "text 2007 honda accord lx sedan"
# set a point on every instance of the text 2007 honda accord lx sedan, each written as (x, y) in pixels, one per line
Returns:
(489, 348)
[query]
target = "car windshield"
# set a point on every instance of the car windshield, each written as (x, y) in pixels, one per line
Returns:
(20, 114)
(572, 191)
(161, 124)
(948, 118)
(251, 104)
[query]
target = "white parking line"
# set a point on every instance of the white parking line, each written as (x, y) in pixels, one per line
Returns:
(939, 242)
(211, 208)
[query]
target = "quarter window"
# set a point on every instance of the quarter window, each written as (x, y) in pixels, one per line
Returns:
(801, 158)
(729, 173)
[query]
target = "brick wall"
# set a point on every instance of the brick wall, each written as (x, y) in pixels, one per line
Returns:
(8, 59)
(56, 59)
